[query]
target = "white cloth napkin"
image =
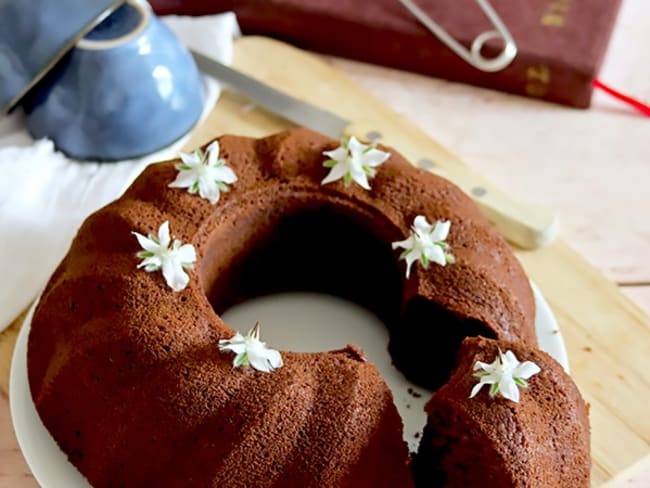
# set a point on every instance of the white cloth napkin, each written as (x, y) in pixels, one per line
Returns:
(44, 196)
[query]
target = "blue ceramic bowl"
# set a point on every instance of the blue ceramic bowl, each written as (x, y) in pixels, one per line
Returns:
(34, 36)
(127, 89)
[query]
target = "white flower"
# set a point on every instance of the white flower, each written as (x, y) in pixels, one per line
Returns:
(207, 175)
(426, 243)
(506, 374)
(174, 260)
(353, 161)
(251, 352)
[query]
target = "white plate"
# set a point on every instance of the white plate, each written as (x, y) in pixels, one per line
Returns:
(292, 321)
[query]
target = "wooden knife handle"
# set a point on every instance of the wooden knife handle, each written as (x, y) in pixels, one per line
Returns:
(527, 225)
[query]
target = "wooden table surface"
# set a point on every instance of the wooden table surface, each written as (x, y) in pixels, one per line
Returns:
(591, 167)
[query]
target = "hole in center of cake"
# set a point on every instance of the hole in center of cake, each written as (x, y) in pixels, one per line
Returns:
(318, 276)
(305, 246)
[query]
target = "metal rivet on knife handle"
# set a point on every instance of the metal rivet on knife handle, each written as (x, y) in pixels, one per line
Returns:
(478, 191)
(426, 164)
(373, 136)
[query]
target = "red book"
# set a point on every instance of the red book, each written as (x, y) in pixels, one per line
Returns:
(561, 43)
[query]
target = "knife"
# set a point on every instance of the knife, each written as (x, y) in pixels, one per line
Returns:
(526, 225)
(297, 111)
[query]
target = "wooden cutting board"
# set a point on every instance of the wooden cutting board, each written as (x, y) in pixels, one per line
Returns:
(607, 336)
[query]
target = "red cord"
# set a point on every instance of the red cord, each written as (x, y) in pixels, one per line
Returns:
(637, 104)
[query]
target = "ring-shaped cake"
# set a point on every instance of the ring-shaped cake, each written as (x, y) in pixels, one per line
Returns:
(132, 378)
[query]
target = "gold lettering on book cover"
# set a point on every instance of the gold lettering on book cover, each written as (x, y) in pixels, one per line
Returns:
(556, 13)
(538, 79)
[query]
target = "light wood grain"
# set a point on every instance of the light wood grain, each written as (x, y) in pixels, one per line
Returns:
(606, 334)
(7, 341)
(636, 476)
(14, 472)
(640, 295)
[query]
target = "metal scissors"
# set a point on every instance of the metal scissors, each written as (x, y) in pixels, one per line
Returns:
(473, 55)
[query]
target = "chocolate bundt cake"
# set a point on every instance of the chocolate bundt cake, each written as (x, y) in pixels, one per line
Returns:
(541, 441)
(131, 368)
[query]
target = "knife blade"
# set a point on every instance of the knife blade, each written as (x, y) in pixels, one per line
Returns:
(297, 111)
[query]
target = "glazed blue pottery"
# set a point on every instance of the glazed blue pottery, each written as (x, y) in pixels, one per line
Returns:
(127, 89)
(35, 34)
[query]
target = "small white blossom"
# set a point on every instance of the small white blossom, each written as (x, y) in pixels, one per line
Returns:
(426, 244)
(353, 161)
(250, 351)
(204, 173)
(506, 374)
(157, 254)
